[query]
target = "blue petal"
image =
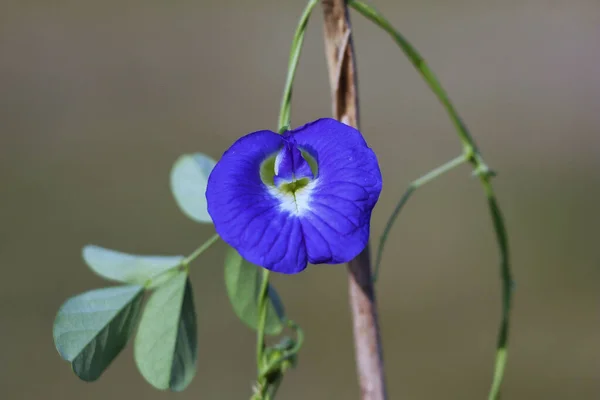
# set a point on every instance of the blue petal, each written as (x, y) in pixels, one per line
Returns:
(336, 221)
(290, 165)
(245, 212)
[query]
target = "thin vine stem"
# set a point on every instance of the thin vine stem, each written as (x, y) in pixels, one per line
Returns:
(480, 168)
(297, 42)
(266, 392)
(288, 354)
(184, 265)
(196, 253)
(274, 388)
(414, 185)
(262, 319)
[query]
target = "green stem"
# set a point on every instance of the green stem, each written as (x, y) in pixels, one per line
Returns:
(507, 286)
(283, 124)
(480, 168)
(421, 66)
(288, 354)
(274, 387)
(262, 319)
(201, 249)
(286, 100)
(266, 390)
(414, 185)
(263, 292)
(299, 336)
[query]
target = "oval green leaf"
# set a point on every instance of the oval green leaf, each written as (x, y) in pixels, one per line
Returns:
(243, 280)
(189, 178)
(165, 347)
(91, 329)
(127, 268)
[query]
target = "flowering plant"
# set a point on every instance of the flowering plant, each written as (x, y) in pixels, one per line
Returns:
(280, 200)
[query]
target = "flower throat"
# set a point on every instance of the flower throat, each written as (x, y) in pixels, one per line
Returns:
(290, 169)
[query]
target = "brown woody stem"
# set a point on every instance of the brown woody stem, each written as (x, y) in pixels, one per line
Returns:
(344, 91)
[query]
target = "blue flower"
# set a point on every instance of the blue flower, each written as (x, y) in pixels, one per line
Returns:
(283, 201)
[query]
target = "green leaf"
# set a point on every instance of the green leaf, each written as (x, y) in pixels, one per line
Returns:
(165, 347)
(128, 268)
(243, 280)
(189, 178)
(91, 329)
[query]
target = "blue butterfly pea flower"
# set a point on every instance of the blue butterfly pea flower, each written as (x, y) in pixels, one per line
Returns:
(305, 196)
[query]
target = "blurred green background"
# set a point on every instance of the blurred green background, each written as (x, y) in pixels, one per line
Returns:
(98, 99)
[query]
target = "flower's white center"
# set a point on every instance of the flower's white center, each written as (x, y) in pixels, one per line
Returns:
(297, 202)
(290, 176)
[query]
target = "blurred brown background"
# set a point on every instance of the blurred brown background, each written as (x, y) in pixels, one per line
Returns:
(98, 99)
